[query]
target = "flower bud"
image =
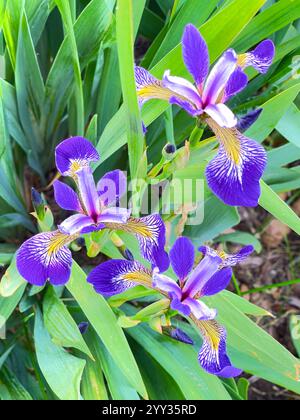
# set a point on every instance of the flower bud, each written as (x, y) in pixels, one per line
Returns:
(38, 204)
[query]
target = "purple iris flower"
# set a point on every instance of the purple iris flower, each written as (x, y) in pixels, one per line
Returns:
(235, 173)
(46, 256)
(209, 277)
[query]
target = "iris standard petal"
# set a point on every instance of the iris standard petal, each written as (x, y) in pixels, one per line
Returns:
(182, 257)
(112, 187)
(66, 197)
(148, 87)
(150, 232)
(183, 88)
(213, 355)
(222, 115)
(88, 192)
(114, 215)
(236, 83)
(261, 58)
(179, 306)
(248, 120)
(242, 255)
(218, 77)
(45, 257)
(166, 284)
(187, 106)
(201, 275)
(195, 54)
(116, 276)
(234, 174)
(218, 282)
(75, 224)
(200, 310)
(73, 154)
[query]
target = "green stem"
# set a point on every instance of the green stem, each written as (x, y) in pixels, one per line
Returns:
(196, 136)
(271, 286)
(236, 285)
(169, 125)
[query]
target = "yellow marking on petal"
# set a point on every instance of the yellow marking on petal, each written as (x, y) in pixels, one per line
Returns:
(222, 254)
(139, 277)
(132, 226)
(155, 92)
(58, 241)
(229, 139)
(211, 331)
(75, 166)
(242, 60)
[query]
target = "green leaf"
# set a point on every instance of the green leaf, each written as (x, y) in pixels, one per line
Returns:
(119, 387)
(273, 110)
(125, 43)
(65, 10)
(11, 388)
(268, 22)
(90, 29)
(60, 324)
(271, 202)
(295, 332)
(289, 125)
(9, 304)
(243, 238)
(11, 280)
(61, 370)
(105, 324)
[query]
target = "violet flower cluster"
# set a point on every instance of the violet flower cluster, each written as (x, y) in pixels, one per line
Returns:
(46, 256)
(234, 174)
(211, 276)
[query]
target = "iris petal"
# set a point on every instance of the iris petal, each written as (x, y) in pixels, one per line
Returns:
(234, 174)
(213, 355)
(223, 116)
(45, 257)
(112, 187)
(261, 58)
(75, 224)
(116, 276)
(182, 256)
(66, 197)
(73, 154)
(195, 54)
(151, 234)
(88, 192)
(148, 87)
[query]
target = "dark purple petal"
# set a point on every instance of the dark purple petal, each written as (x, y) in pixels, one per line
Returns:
(45, 257)
(248, 120)
(114, 215)
(236, 83)
(187, 106)
(116, 276)
(178, 335)
(242, 255)
(66, 197)
(213, 355)
(88, 192)
(148, 87)
(166, 284)
(218, 282)
(234, 174)
(83, 327)
(73, 154)
(218, 77)
(183, 88)
(222, 115)
(201, 275)
(151, 234)
(182, 257)
(161, 260)
(112, 187)
(75, 224)
(200, 310)
(261, 58)
(177, 305)
(195, 54)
